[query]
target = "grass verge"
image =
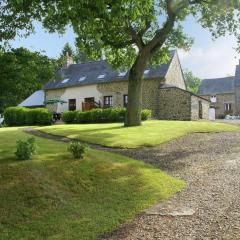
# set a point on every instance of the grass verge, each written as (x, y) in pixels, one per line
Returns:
(151, 133)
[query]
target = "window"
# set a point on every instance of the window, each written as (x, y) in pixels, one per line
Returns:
(228, 107)
(125, 100)
(65, 80)
(71, 104)
(82, 78)
(101, 76)
(108, 101)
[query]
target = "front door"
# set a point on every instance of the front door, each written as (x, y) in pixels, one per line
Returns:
(88, 104)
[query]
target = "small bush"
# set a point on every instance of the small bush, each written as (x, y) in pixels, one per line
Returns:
(146, 114)
(69, 117)
(19, 116)
(25, 149)
(77, 149)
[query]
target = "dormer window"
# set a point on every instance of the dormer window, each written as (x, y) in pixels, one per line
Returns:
(101, 76)
(65, 80)
(122, 74)
(82, 78)
(147, 71)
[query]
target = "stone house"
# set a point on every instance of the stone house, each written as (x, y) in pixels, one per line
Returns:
(225, 93)
(96, 84)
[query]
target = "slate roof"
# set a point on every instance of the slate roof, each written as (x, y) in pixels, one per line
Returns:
(36, 99)
(91, 70)
(216, 85)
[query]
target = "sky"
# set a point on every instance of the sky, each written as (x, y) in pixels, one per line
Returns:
(206, 58)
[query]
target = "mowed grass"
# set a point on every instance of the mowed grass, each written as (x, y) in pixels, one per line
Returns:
(151, 133)
(53, 196)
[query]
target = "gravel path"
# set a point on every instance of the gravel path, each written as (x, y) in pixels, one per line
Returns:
(209, 208)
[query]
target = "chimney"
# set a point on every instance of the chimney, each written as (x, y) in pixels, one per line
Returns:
(68, 60)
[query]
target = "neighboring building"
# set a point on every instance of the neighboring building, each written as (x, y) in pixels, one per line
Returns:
(225, 92)
(35, 100)
(96, 84)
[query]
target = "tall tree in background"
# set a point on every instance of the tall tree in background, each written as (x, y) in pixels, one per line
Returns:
(21, 73)
(192, 81)
(76, 54)
(131, 33)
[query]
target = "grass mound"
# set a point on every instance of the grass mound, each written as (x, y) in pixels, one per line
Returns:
(56, 197)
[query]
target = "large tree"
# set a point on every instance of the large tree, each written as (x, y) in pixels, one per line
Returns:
(21, 73)
(132, 34)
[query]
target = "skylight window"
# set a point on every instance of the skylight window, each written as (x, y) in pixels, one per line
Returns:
(65, 80)
(82, 78)
(147, 71)
(101, 76)
(122, 74)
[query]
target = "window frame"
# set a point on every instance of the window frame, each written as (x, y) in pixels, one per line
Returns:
(72, 104)
(108, 101)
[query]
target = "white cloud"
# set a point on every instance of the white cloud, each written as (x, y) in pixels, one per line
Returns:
(218, 59)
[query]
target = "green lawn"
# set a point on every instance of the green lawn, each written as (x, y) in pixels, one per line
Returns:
(149, 134)
(56, 197)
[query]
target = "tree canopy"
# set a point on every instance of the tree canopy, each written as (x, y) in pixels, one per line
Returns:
(129, 33)
(21, 73)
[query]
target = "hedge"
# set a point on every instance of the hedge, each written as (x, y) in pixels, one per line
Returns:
(19, 116)
(98, 115)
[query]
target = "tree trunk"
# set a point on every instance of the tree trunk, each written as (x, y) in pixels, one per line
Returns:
(134, 108)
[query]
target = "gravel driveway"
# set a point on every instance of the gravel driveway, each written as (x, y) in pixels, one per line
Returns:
(209, 207)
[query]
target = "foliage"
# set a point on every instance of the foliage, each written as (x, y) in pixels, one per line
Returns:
(61, 199)
(76, 54)
(19, 116)
(98, 115)
(146, 114)
(77, 149)
(69, 117)
(192, 82)
(25, 149)
(21, 73)
(151, 133)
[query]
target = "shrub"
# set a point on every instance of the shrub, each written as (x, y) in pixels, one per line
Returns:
(146, 114)
(25, 149)
(18, 116)
(96, 115)
(77, 149)
(15, 116)
(69, 117)
(43, 116)
(106, 115)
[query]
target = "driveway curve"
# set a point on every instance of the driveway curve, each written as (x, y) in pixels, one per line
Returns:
(209, 207)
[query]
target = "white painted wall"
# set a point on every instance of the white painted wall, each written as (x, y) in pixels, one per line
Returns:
(78, 93)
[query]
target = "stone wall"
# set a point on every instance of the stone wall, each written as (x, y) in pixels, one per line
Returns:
(195, 108)
(221, 99)
(174, 75)
(174, 104)
(118, 89)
